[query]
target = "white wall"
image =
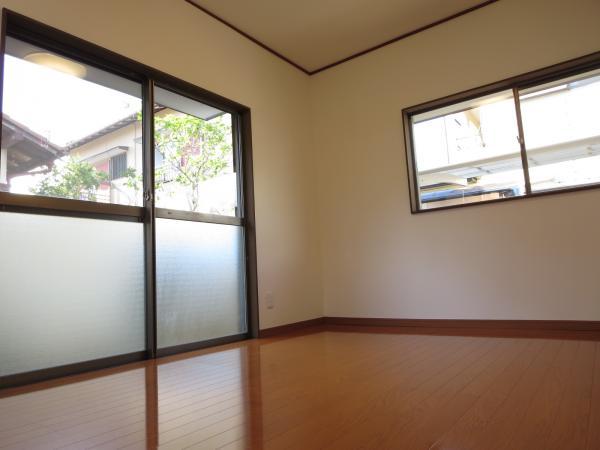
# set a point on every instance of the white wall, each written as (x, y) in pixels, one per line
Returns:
(527, 259)
(176, 38)
(333, 218)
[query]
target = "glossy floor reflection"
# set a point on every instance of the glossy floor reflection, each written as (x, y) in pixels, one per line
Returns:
(202, 401)
(326, 389)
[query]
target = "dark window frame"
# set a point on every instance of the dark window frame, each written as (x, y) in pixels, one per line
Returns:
(23, 28)
(527, 80)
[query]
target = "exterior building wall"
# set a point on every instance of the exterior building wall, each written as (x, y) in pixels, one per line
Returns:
(99, 151)
(3, 161)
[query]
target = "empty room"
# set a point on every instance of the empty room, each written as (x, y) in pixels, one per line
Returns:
(343, 224)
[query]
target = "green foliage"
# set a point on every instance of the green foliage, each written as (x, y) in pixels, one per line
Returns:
(73, 179)
(193, 150)
(133, 179)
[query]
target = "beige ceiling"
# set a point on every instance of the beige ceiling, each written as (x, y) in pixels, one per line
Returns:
(315, 33)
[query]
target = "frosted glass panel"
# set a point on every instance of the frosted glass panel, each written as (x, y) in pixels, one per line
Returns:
(71, 290)
(200, 281)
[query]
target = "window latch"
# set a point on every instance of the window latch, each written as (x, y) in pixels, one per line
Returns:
(147, 196)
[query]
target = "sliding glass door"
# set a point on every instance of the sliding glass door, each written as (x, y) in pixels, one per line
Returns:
(126, 217)
(200, 263)
(71, 279)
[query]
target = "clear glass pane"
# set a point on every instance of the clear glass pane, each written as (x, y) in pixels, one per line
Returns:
(200, 281)
(194, 157)
(71, 290)
(69, 130)
(468, 152)
(562, 132)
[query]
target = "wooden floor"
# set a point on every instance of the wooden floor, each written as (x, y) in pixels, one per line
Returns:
(333, 390)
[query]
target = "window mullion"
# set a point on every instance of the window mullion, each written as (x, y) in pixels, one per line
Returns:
(150, 216)
(237, 164)
(521, 139)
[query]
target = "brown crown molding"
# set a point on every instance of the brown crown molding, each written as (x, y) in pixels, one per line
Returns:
(348, 58)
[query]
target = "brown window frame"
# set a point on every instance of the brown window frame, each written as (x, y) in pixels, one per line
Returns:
(527, 80)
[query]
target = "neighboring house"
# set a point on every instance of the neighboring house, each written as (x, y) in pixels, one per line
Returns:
(113, 150)
(23, 150)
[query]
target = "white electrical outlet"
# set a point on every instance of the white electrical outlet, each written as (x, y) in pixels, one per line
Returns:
(269, 301)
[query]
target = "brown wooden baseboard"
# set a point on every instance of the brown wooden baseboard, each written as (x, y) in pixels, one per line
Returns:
(291, 327)
(546, 329)
(557, 329)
